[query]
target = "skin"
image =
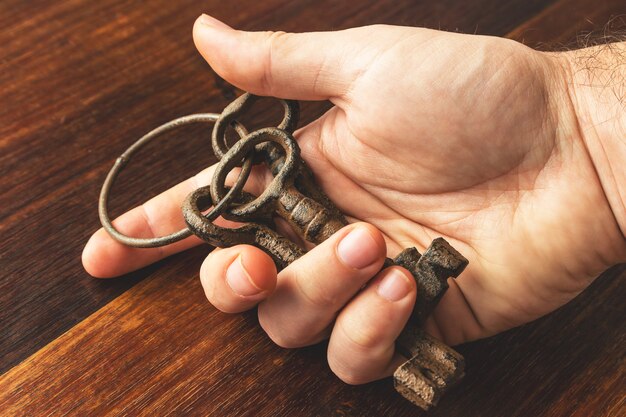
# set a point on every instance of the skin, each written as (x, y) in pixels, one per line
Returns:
(496, 147)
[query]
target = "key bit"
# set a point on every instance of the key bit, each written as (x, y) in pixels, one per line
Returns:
(433, 367)
(431, 271)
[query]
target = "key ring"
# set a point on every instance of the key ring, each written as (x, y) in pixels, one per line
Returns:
(239, 106)
(281, 180)
(121, 162)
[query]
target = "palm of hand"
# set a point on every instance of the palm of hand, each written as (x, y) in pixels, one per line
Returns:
(482, 160)
(434, 134)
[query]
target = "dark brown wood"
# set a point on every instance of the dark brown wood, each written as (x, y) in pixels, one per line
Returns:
(573, 24)
(79, 81)
(160, 348)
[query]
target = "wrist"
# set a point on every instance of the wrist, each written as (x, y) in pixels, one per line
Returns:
(595, 82)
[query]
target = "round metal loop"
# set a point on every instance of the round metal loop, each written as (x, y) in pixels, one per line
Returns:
(284, 178)
(198, 201)
(121, 162)
(240, 105)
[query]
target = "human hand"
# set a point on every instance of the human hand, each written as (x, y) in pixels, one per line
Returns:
(472, 138)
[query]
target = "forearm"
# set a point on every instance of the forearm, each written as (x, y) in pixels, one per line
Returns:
(596, 81)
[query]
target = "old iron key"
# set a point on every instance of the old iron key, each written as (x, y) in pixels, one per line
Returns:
(293, 194)
(433, 366)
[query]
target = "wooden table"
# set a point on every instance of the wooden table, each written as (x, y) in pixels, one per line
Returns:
(79, 81)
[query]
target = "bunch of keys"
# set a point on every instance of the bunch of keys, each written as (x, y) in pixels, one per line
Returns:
(293, 195)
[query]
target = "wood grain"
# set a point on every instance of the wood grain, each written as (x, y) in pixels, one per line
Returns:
(160, 349)
(83, 79)
(572, 24)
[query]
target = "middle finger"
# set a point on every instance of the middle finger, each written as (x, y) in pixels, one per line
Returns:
(312, 289)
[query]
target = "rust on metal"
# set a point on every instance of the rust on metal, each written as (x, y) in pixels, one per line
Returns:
(294, 195)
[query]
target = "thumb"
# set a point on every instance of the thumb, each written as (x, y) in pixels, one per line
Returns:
(303, 66)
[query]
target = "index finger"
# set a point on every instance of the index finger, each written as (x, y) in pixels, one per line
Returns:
(104, 257)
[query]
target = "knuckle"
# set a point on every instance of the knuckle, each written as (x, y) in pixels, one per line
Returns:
(280, 338)
(276, 38)
(227, 306)
(352, 378)
(207, 274)
(207, 284)
(288, 338)
(206, 268)
(317, 294)
(276, 42)
(347, 374)
(284, 342)
(361, 338)
(217, 302)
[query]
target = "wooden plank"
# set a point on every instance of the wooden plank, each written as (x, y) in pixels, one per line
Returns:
(80, 80)
(160, 349)
(562, 24)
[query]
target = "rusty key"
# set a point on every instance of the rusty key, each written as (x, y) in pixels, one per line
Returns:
(433, 366)
(294, 195)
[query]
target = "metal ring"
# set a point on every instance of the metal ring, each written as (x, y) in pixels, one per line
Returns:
(125, 158)
(240, 105)
(282, 250)
(247, 144)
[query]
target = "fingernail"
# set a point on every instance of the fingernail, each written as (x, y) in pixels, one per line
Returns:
(394, 286)
(239, 280)
(358, 249)
(210, 21)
